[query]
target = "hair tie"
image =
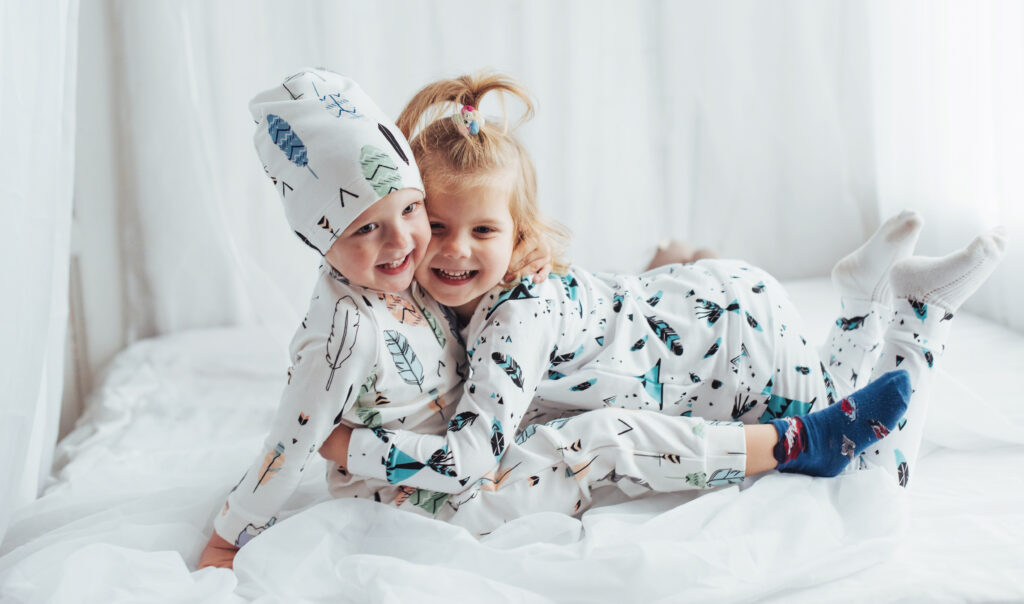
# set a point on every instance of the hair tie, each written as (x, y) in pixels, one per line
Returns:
(468, 120)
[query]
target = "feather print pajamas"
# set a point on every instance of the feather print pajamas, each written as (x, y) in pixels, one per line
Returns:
(376, 360)
(362, 357)
(710, 344)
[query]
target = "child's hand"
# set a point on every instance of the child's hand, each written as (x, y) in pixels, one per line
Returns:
(530, 260)
(335, 448)
(218, 552)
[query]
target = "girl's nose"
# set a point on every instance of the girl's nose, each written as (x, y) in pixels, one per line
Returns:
(455, 246)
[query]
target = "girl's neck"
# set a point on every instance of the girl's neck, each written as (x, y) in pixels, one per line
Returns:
(465, 311)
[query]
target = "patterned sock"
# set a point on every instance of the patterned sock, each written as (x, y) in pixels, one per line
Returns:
(823, 443)
(864, 273)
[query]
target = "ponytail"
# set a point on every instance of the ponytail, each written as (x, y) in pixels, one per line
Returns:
(446, 155)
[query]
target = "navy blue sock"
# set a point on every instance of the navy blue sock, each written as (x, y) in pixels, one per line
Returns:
(824, 442)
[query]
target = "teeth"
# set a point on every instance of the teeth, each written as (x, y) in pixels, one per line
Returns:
(453, 274)
(394, 264)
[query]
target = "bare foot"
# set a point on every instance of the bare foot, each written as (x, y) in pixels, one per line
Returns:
(671, 251)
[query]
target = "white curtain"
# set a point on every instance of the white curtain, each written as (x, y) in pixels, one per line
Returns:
(948, 128)
(37, 71)
(717, 125)
(778, 132)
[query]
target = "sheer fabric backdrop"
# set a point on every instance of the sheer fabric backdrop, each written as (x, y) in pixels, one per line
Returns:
(37, 71)
(780, 133)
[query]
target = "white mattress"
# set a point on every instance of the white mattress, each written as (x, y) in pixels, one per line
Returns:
(178, 418)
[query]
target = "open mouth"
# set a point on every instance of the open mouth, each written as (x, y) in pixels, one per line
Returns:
(453, 277)
(393, 268)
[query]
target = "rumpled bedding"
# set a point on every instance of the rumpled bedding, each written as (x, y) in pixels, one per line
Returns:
(176, 420)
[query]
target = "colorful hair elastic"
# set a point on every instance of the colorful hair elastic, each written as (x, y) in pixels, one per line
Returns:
(468, 121)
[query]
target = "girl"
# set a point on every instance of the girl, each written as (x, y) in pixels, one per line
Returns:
(718, 340)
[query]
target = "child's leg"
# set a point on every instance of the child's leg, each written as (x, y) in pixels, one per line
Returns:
(862, 281)
(554, 467)
(824, 443)
(927, 292)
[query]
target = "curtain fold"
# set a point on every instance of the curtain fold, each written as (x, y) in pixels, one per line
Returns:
(38, 71)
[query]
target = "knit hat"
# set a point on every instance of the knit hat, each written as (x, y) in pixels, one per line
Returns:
(330, 152)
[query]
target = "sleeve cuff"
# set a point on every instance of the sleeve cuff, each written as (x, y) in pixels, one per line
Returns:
(726, 447)
(366, 454)
(237, 528)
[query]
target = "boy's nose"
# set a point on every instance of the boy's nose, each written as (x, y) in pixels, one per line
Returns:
(399, 238)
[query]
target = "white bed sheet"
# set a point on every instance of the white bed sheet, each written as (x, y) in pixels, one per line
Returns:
(177, 418)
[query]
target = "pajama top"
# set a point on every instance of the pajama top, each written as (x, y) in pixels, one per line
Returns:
(361, 357)
(702, 340)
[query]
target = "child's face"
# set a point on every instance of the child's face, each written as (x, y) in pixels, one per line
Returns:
(472, 235)
(382, 247)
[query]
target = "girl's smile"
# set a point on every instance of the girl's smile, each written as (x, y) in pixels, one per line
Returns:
(454, 277)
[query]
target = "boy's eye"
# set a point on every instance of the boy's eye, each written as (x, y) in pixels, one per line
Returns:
(366, 228)
(409, 209)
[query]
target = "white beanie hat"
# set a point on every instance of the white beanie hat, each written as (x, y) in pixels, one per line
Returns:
(330, 152)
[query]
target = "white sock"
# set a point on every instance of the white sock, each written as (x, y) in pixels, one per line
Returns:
(864, 274)
(948, 281)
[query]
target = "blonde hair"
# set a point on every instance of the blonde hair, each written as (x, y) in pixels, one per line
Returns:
(446, 156)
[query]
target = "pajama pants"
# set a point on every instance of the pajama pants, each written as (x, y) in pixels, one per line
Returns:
(555, 466)
(910, 336)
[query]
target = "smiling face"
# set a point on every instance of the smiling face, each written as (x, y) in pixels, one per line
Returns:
(383, 246)
(472, 235)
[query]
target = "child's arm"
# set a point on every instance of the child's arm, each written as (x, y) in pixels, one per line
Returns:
(507, 362)
(332, 354)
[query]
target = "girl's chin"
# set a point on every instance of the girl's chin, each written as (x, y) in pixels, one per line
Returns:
(458, 301)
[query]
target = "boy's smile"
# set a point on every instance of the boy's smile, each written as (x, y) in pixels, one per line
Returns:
(396, 267)
(382, 247)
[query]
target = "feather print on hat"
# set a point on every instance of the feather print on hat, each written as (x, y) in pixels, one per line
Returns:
(394, 142)
(380, 170)
(284, 137)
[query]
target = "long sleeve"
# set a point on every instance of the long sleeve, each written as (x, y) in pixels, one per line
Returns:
(332, 354)
(509, 354)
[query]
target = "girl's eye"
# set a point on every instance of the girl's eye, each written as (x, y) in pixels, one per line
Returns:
(435, 226)
(366, 228)
(483, 230)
